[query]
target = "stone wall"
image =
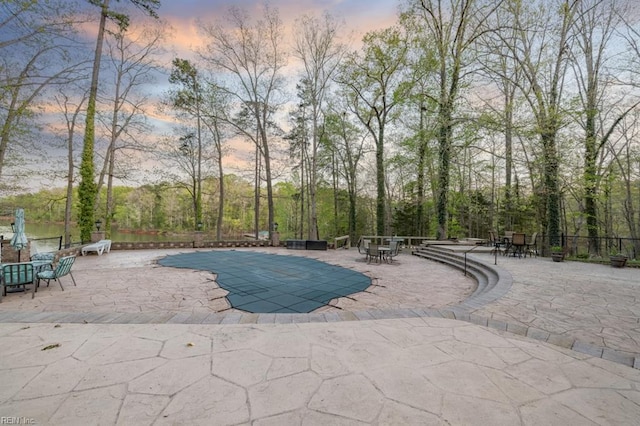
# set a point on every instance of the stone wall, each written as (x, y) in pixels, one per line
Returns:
(154, 245)
(10, 255)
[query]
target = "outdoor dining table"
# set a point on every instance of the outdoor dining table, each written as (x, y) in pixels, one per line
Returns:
(384, 250)
(380, 252)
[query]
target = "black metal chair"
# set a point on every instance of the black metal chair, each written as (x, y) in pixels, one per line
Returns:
(498, 245)
(518, 243)
(532, 245)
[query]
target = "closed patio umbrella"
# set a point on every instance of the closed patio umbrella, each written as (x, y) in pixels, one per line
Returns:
(19, 240)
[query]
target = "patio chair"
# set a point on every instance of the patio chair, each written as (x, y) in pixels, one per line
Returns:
(15, 275)
(507, 242)
(495, 242)
(62, 268)
(394, 249)
(532, 245)
(518, 242)
(363, 246)
(373, 253)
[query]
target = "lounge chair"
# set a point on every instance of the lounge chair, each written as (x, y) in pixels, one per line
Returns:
(99, 247)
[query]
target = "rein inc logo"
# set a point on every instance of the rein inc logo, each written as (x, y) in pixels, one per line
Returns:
(5, 420)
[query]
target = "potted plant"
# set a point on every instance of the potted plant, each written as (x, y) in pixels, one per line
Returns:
(557, 254)
(617, 259)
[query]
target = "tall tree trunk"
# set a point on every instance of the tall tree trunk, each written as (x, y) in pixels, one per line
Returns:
(334, 181)
(198, 212)
(256, 194)
(444, 165)
(508, 148)
(221, 186)
(303, 187)
(109, 207)
(87, 188)
(552, 193)
(313, 173)
(423, 147)
(380, 196)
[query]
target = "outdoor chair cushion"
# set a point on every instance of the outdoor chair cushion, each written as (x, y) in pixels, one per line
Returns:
(43, 256)
(63, 267)
(15, 275)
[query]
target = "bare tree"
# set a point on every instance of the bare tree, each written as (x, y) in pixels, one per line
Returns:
(252, 56)
(72, 113)
(87, 188)
(215, 101)
(316, 46)
(188, 98)
(348, 145)
(185, 162)
(132, 58)
(36, 55)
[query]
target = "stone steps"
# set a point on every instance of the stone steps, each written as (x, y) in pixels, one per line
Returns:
(492, 282)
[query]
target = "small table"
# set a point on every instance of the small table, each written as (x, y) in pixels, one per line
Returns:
(41, 265)
(384, 250)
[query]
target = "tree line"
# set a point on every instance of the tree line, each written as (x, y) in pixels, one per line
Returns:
(462, 117)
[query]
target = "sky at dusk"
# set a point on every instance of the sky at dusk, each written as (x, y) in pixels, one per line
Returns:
(358, 15)
(355, 18)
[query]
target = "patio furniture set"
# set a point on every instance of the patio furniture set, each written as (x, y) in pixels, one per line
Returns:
(43, 266)
(515, 244)
(17, 276)
(379, 253)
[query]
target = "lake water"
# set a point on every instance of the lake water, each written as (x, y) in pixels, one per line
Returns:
(52, 231)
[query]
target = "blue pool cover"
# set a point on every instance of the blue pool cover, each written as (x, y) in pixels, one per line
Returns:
(270, 283)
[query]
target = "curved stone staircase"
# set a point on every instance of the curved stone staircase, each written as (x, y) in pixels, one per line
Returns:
(492, 282)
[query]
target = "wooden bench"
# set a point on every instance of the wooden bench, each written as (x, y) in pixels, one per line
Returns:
(345, 240)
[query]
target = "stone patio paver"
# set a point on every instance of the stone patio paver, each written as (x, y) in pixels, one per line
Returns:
(417, 364)
(329, 373)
